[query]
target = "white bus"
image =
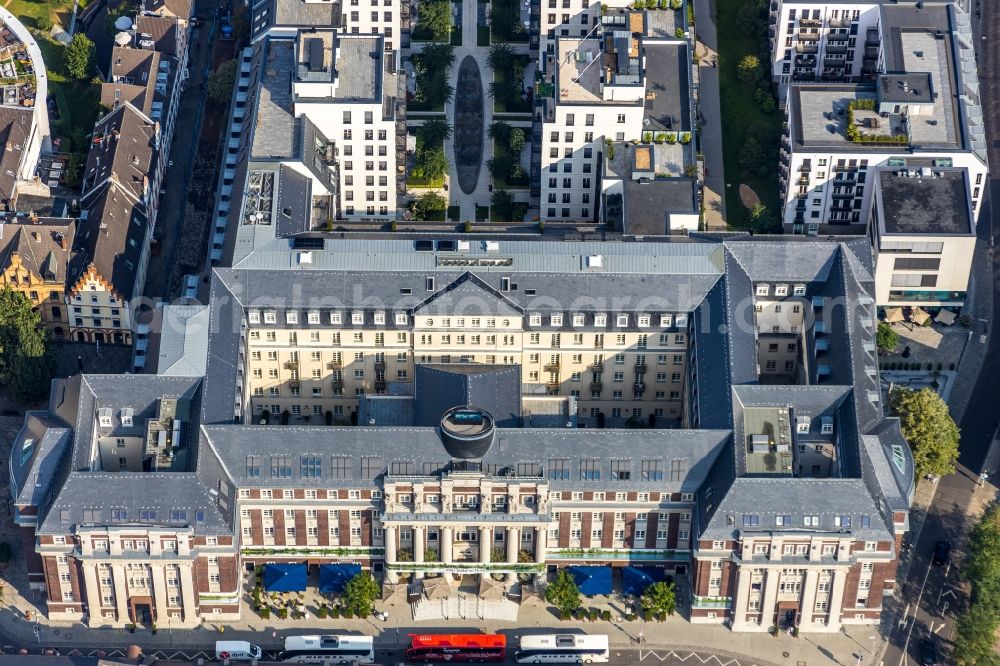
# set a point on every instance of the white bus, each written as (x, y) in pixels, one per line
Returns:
(563, 649)
(330, 649)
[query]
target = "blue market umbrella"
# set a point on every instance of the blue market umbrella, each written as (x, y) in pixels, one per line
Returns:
(333, 577)
(592, 580)
(285, 578)
(635, 580)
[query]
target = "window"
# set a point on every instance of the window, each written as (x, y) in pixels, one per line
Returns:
(558, 469)
(651, 470)
(810, 521)
(590, 469)
(621, 470)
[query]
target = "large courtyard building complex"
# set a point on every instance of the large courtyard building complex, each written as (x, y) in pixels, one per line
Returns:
(150, 493)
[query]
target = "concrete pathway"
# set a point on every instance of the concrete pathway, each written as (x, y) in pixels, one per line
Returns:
(481, 195)
(706, 48)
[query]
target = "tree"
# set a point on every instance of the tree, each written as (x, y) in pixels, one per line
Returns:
(974, 636)
(886, 338)
(501, 167)
(434, 132)
(500, 132)
(431, 165)
(516, 141)
(976, 627)
(501, 58)
(748, 68)
(498, 555)
(659, 598)
(25, 360)
(427, 204)
(79, 57)
(563, 593)
(221, 82)
(758, 215)
(435, 18)
(360, 594)
(44, 23)
(929, 429)
(502, 205)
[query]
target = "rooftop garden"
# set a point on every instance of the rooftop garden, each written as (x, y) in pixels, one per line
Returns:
(857, 134)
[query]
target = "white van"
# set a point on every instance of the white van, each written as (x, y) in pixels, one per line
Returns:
(236, 651)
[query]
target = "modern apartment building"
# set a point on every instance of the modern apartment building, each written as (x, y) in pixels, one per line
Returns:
(924, 235)
(624, 80)
(151, 493)
(24, 119)
(918, 110)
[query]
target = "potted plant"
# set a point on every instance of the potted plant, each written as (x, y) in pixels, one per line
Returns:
(153, 628)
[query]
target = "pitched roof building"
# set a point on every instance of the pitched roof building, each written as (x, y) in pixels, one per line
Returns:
(767, 472)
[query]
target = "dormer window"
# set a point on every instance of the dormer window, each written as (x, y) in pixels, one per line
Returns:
(781, 290)
(253, 316)
(555, 320)
(621, 320)
(763, 290)
(578, 320)
(666, 321)
(291, 317)
(126, 416)
(270, 317)
(357, 317)
(600, 320)
(335, 318)
(104, 417)
(401, 319)
(643, 320)
(380, 317)
(313, 317)
(535, 320)
(826, 425)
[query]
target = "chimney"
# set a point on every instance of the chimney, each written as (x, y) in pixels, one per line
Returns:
(63, 241)
(37, 236)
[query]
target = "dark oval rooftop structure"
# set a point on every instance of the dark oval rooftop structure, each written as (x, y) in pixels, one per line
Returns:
(467, 432)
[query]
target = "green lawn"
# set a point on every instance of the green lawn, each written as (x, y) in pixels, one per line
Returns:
(741, 116)
(78, 101)
(29, 11)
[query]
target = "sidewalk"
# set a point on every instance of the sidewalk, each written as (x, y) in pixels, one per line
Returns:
(675, 634)
(706, 50)
(979, 306)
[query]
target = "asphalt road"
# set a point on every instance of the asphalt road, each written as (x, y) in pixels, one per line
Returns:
(932, 595)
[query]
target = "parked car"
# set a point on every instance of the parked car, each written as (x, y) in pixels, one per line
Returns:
(928, 652)
(941, 551)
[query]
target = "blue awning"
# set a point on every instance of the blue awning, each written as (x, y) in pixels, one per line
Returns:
(285, 577)
(635, 580)
(592, 580)
(333, 577)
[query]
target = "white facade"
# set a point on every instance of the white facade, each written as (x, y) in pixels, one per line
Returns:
(818, 42)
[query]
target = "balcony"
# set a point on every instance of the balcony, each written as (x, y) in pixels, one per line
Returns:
(838, 49)
(639, 389)
(337, 384)
(379, 366)
(810, 22)
(291, 365)
(640, 368)
(335, 365)
(834, 63)
(551, 367)
(597, 367)
(841, 22)
(553, 384)
(596, 386)
(808, 36)
(380, 385)
(808, 49)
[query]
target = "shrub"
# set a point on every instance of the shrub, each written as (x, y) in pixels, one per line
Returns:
(679, 33)
(322, 612)
(264, 612)
(283, 613)
(676, 4)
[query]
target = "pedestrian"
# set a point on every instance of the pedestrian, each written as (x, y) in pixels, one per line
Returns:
(274, 635)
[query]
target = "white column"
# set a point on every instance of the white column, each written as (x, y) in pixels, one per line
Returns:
(513, 548)
(541, 535)
(121, 591)
(740, 609)
(485, 544)
(837, 597)
(808, 603)
(389, 538)
(159, 591)
(93, 594)
(188, 594)
(418, 548)
(767, 606)
(513, 544)
(447, 544)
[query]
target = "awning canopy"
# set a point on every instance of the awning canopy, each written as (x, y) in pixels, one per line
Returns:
(635, 580)
(592, 580)
(285, 578)
(437, 588)
(919, 316)
(491, 589)
(333, 577)
(946, 317)
(894, 315)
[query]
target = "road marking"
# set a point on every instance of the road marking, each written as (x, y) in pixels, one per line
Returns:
(938, 628)
(920, 595)
(643, 654)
